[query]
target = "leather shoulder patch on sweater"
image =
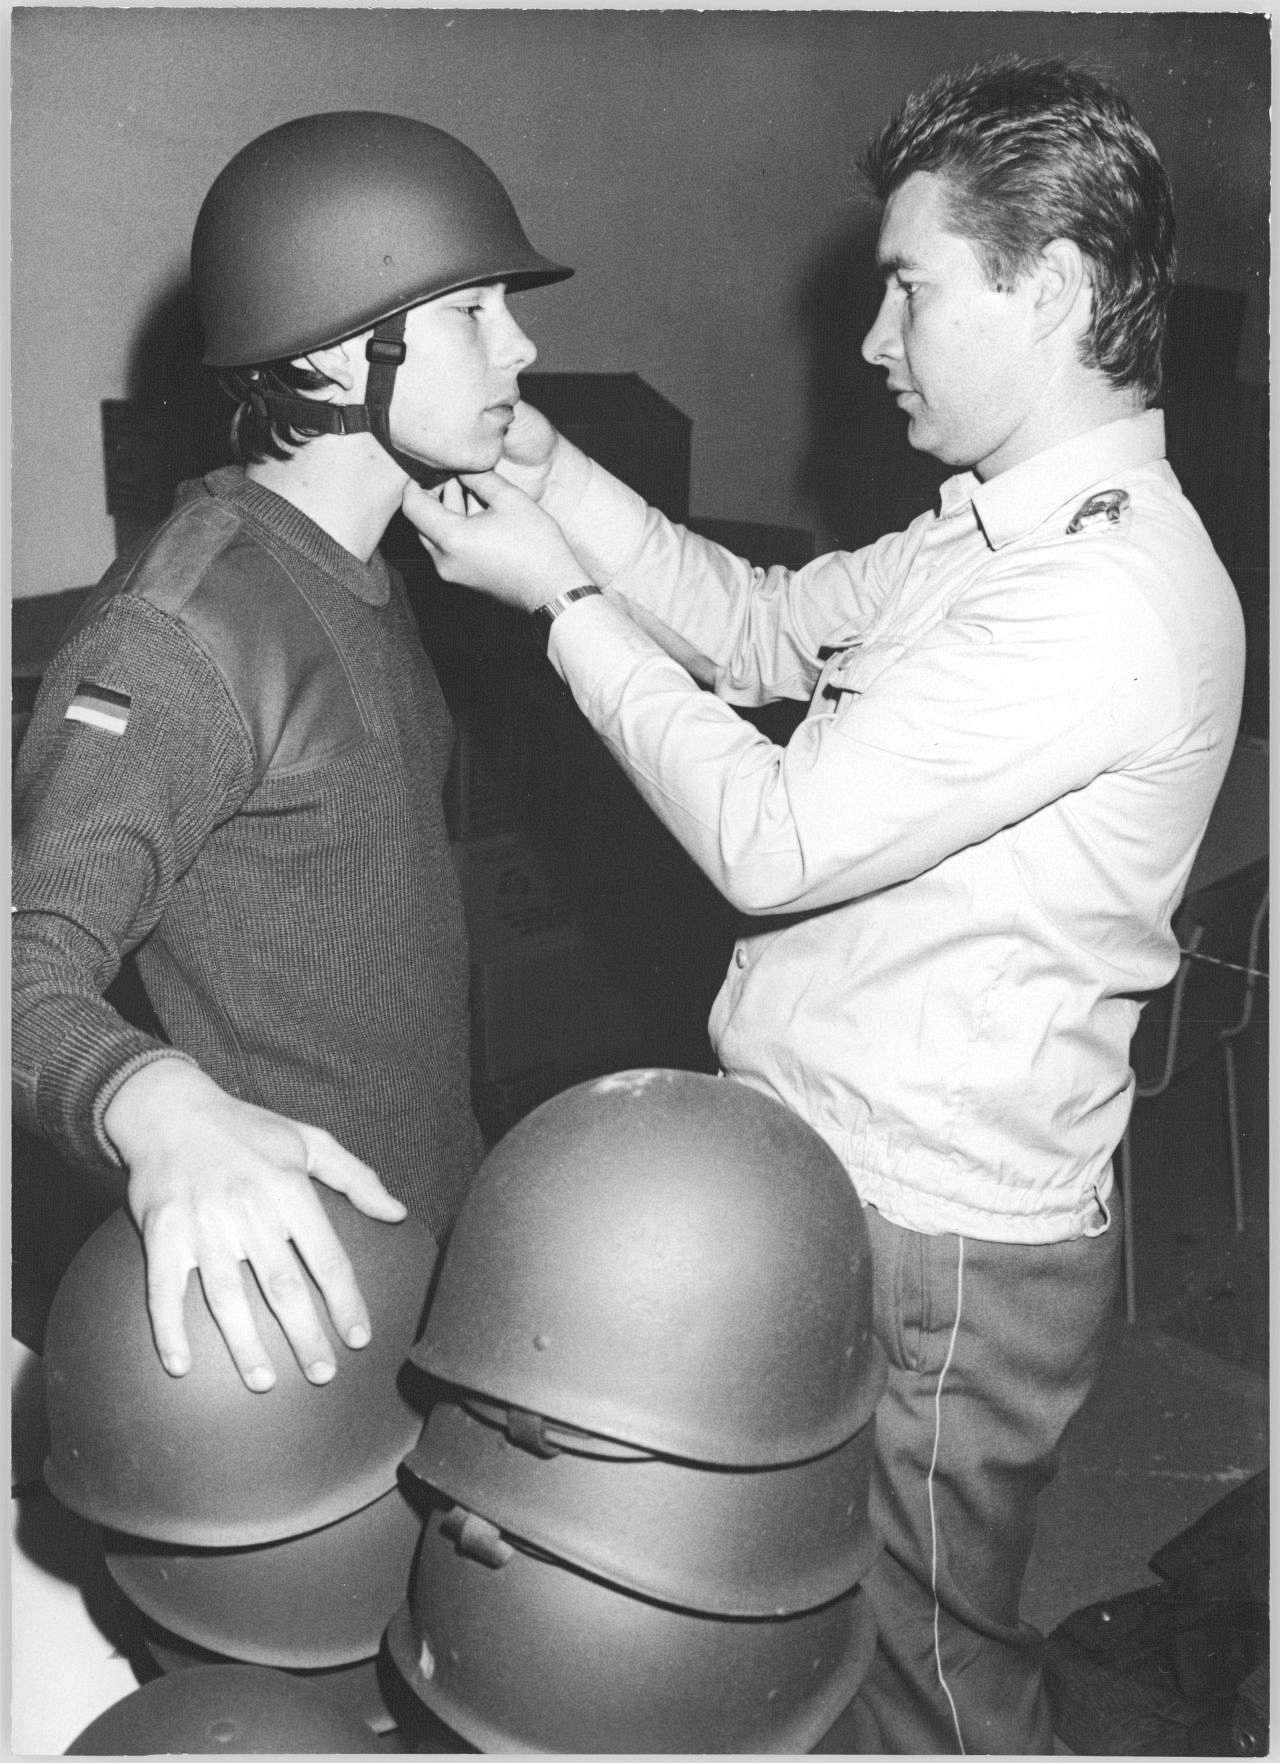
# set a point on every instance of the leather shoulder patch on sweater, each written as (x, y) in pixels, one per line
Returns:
(256, 623)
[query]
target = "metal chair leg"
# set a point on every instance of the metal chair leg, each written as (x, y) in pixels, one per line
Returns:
(1233, 1131)
(1129, 1247)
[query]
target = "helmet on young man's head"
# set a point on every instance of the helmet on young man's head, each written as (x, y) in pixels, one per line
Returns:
(331, 224)
(322, 227)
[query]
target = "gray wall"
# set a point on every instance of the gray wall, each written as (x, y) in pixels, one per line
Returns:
(697, 167)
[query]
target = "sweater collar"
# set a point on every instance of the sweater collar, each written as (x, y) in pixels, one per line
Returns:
(369, 582)
(1019, 500)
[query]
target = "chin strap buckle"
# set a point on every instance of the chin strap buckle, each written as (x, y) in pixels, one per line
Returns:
(475, 1537)
(385, 351)
(529, 1431)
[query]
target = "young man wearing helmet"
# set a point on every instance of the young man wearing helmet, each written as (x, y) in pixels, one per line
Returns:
(965, 860)
(235, 764)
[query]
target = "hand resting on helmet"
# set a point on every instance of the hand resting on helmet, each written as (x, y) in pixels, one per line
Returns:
(213, 1182)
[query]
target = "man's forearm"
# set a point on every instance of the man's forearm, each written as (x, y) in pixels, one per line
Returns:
(602, 518)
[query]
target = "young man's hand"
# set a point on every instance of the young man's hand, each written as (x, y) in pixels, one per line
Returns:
(213, 1182)
(504, 544)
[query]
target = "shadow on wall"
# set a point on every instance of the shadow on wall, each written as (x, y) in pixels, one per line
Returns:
(858, 469)
(164, 360)
(175, 422)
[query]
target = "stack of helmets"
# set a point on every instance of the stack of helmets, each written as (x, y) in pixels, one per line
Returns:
(647, 1462)
(267, 1529)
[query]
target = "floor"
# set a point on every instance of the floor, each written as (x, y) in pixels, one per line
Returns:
(1180, 1413)
(1168, 1430)
(1179, 1417)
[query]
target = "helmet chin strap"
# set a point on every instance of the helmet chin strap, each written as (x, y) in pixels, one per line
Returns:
(384, 351)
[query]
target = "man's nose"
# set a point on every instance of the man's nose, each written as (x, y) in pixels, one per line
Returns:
(881, 343)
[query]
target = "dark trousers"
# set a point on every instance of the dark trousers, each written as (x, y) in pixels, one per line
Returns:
(992, 1347)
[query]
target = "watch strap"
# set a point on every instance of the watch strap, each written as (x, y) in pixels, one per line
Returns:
(546, 614)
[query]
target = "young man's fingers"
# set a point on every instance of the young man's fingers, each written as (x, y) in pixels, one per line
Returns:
(167, 1278)
(326, 1259)
(331, 1163)
(225, 1295)
(283, 1283)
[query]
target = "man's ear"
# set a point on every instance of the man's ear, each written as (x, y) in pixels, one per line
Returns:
(1064, 291)
(343, 363)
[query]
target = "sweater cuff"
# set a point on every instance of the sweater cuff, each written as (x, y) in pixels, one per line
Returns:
(115, 1083)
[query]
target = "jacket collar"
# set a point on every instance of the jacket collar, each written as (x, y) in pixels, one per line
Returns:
(1019, 500)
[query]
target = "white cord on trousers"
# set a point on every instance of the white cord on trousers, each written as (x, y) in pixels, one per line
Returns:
(933, 1515)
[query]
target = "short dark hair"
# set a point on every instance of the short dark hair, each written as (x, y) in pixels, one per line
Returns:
(256, 434)
(1038, 150)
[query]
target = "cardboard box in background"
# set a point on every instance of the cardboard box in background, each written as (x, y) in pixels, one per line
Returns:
(546, 1010)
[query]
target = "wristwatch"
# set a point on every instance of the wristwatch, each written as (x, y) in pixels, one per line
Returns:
(544, 616)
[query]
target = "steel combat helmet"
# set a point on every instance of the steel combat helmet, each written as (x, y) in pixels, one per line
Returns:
(516, 1652)
(223, 1711)
(333, 223)
(730, 1542)
(201, 1460)
(666, 1259)
(308, 1602)
(356, 1690)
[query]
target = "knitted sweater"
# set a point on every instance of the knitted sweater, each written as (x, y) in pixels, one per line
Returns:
(234, 768)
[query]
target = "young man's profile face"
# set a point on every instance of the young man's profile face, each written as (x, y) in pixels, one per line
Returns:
(959, 353)
(456, 392)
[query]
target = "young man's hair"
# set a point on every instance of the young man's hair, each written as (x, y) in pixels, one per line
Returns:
(255, 434)
(1033, 151)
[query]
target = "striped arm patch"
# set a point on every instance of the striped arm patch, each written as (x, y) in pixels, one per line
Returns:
(100, 707)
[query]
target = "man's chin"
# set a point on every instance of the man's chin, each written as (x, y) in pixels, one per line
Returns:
(919, 436)
(923, 440)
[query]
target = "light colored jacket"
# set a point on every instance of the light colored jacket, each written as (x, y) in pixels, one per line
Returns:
(966, 859)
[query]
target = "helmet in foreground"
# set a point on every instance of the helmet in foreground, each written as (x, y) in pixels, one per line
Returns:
(730, 1542)
(223, 1710)
(318, 1600)
(201, 1460)
(518, 1653)
(666, 1259)
(355, 1689)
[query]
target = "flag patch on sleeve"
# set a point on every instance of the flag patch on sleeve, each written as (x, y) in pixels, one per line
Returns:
(100, 707)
